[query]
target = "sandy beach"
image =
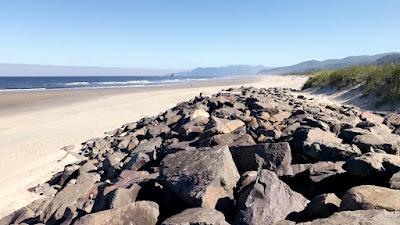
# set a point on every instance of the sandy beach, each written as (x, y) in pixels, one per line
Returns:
(34, 126)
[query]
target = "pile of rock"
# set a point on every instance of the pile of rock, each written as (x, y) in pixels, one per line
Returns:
(242, 156)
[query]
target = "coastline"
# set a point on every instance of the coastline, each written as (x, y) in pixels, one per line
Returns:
(34, 130)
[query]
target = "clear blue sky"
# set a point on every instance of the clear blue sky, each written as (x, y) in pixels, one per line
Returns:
(190, 33)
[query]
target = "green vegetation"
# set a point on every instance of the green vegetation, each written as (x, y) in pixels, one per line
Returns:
(384, 80)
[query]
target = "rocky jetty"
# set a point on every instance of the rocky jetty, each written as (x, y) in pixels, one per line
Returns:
(243, 156)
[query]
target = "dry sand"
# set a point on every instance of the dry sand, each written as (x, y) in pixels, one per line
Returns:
(34, 126)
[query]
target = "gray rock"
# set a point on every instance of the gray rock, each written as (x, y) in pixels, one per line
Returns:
(304, 137)
(359, 217)
(371, 197)
(331, 152)
(371, 164)
(18, 216)
(72, 195)
(322, 170)
(322, 206)
(349, 134)
(387, 143)
(137, 213)
(149, 147)
(395, 181)
(246, 179)
(262, 156)
(268, 201)
(225, 126)
(197, 216)
(123, 196)
(200, 177)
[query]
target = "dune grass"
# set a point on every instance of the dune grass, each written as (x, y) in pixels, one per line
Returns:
(383, 80)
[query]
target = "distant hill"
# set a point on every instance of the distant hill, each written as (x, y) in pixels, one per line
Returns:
(389, 59)
(314, 65)
(7, 69)
(231, 70)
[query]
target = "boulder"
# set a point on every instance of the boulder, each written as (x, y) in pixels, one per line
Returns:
(137, 213)
(331, 152)
(304, 137)
(195, 216)
(371, 117)
(373, 164)
(199, 113)
(149, 147)
(225, 126)
(348, 134)
(387, 143)
(268, 201)
(322, 206)
(171, 117)
(17, 217)
(322, 170)
(200, 177)
(279, 117)
(371, 197)
(395, 181)
(359, 217)
(73, 195)
(262, 156)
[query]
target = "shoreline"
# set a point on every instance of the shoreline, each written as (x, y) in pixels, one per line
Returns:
(12, 102)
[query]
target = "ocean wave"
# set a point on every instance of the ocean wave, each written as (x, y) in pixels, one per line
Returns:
(79, 83)
(124, 82)
(21, 89)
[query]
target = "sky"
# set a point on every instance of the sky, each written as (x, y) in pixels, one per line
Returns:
(183, 34)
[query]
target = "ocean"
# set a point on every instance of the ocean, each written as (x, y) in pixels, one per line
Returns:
(76, 82)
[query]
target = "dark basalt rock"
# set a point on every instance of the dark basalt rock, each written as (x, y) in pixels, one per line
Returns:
(241, 156)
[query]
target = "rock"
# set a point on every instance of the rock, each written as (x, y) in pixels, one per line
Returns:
(45, 190)
(193, 128)
(123, 196)
(171, 117)
(373, 164)
(72, 195)
(262, 156)
(322, 206)
(371, 197)
(127, 178)
(292, 170)
(315, 123)
(159, 129)
(225, 126)
(268, 201)
(200, 177)
(371, 117)
(395, 181)
(367, 141)
(322, 170)
(137, 213)
(199, 113)
(348, 134)
(227, 113)
(112, 163)
(137, 160)
(195, 216)
(279, 117)
(359, 217)
(246, 179)
(149, 147)
(305, 137)
(331, 152)
(18, 216)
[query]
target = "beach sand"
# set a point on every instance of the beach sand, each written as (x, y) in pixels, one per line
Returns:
(34, 126)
